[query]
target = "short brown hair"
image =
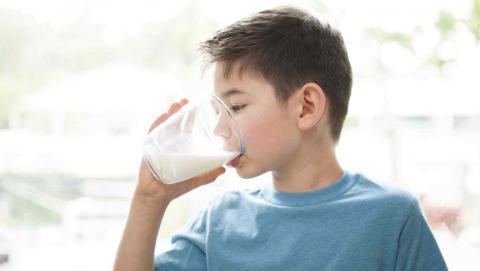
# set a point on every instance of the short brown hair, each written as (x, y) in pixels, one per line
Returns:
(289, 48)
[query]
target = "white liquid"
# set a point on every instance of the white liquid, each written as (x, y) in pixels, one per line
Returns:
(176, 167)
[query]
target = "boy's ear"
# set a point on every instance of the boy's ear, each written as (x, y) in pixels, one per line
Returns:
(311, 102)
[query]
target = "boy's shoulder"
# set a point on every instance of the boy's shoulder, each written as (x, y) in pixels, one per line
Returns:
(367, 186)
(381, 195)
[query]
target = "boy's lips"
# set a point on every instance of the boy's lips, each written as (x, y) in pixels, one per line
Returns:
(235, 162)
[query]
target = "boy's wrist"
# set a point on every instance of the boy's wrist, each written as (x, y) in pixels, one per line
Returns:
(155, 204)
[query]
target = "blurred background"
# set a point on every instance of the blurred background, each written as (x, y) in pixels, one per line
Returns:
(81, 81)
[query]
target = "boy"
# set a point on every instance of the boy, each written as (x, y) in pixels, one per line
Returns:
(287, 78)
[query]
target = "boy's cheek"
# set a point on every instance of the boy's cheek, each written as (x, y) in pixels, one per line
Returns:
(258, 142)
(260, 132)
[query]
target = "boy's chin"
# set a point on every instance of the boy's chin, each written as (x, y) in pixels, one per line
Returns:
(246, 173)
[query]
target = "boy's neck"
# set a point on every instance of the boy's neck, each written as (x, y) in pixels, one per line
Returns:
(311, 168)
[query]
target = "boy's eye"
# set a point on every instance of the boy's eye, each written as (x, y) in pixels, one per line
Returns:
(236, 108)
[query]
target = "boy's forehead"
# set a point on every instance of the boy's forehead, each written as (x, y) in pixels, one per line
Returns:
(236, 81)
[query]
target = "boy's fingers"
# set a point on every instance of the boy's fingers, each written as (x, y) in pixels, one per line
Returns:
(163, 117)
(175, 107)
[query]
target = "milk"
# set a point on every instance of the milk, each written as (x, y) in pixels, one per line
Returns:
(176, 167)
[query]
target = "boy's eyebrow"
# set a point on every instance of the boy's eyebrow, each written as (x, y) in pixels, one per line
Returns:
(231, 92)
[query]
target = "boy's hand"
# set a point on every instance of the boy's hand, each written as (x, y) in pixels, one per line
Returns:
(155, 192)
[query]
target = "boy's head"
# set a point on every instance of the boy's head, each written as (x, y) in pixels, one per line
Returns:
(288, 48)
(294, 77)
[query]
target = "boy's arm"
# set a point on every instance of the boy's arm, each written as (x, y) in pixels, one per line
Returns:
(137, 247)
(150, 200)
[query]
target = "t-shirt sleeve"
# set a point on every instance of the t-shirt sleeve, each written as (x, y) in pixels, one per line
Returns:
(187, 251)
(417, 248)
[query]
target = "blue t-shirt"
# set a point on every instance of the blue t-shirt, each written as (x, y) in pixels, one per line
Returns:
(354, 224)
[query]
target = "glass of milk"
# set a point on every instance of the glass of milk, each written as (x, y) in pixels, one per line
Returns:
(202, 136)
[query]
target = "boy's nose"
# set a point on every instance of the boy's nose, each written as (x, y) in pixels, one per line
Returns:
(222, 128)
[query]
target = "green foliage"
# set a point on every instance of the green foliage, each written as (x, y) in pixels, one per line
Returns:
(445, 23)
(318, 6)
(473, 22)
(351, 122)
(382, 36)
(438, 62)
(8, 93)
(25, 212)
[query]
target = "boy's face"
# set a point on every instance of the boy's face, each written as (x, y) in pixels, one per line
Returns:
(268, 127)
